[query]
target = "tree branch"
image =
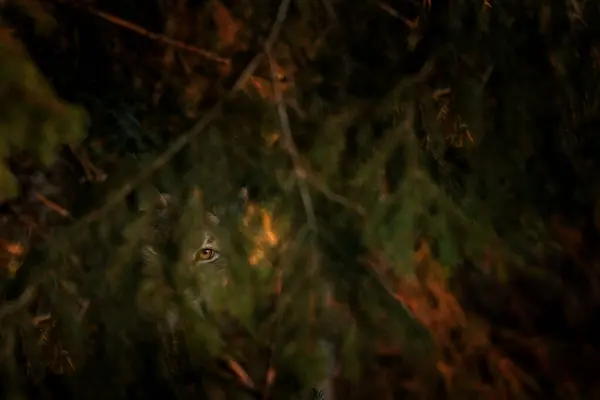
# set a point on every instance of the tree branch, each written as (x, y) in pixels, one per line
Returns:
(290, 147)
(187, 137)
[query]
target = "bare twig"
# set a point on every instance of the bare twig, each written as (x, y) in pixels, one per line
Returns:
(290, 146)
(38, 319)
(92, 173)
(52, 205)
(242, 376)
(157, 164)
(387, 8)
(187, 137)
(227, 379)
(336, 198)
(277, 25)
(158, 37)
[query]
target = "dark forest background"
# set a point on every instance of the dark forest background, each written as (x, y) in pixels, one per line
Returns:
(420, 186)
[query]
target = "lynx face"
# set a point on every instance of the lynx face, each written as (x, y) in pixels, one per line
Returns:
(199, 276)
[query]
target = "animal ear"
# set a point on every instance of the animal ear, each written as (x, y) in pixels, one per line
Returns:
(165, 199)
(150, 198)
(243, 196)
(212, 218)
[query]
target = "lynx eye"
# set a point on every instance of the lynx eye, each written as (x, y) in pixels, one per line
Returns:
(205, 254)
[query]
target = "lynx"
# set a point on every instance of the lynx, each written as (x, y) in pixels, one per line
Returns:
(203, 265)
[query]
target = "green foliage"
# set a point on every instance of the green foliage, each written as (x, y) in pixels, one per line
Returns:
(33, 120)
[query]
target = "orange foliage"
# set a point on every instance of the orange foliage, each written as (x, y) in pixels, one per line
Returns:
(12, 248)
(431, 301)
(228, 27)
(264, 86)
(266, 237)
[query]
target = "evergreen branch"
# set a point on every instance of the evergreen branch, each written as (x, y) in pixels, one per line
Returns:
(187, 137)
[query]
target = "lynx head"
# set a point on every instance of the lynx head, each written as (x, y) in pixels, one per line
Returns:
(199, 245)
(200, 274)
